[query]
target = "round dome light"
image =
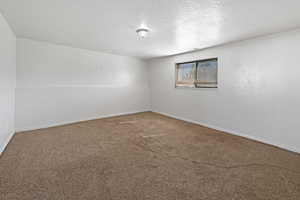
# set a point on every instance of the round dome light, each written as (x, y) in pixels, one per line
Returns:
(142, 32)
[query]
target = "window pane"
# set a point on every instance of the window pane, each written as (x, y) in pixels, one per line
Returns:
(207, 73)
(186, 74)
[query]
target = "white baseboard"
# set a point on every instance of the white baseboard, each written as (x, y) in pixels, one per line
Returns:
(5, 143)
(283, 146)
(30, 128)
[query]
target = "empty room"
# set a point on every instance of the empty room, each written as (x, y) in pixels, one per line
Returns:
(149, 100)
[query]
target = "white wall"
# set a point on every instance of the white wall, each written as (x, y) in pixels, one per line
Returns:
(258, 95)
(58, 84)
(7, 82)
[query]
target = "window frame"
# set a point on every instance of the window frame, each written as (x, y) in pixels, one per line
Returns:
(196, 62)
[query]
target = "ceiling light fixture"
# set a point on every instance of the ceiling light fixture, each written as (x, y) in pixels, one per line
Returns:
(142, 32)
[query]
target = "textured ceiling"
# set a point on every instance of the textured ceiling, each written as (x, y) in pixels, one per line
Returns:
(176, 26)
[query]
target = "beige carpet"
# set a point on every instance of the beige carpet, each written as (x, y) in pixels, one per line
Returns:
(141, 157)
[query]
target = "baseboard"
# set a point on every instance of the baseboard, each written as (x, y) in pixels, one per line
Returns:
(282, 146)
(6, 141)
(31, 128)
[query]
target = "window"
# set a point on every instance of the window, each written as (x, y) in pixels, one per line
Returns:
(197, 74)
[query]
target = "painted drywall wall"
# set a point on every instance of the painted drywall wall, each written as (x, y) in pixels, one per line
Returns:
(7, 82)
(58, 85)
(257, 95)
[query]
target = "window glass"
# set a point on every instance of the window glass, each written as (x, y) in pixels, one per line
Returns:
(207, 73)
(197, 74)
(186, 74)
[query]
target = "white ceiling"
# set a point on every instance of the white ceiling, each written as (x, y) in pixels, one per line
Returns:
(176, 25)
